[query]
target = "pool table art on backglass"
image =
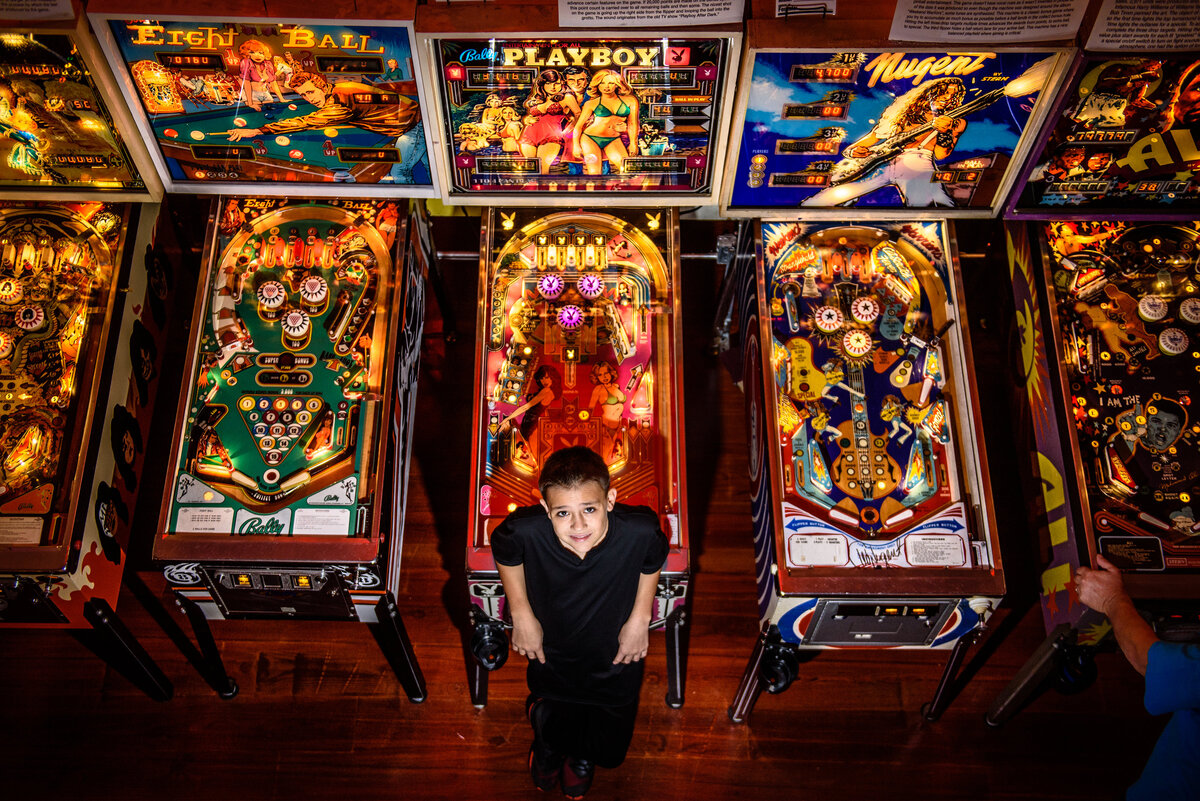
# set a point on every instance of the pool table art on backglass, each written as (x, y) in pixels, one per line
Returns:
(275, 102)
(579, 322)
(278, 446)
(871, 521)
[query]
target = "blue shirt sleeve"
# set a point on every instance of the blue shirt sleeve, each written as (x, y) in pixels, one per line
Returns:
(1172, 677)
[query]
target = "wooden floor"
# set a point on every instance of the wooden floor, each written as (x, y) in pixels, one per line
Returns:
(320, 714)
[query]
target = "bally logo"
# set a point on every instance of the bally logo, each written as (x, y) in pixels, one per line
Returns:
(261, 525)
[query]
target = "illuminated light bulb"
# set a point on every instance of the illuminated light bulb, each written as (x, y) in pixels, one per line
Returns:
(512, 507)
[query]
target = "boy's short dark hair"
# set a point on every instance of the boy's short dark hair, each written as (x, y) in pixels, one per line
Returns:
(570, 467)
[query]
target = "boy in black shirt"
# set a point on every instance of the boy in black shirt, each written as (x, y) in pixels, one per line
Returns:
(580, 574)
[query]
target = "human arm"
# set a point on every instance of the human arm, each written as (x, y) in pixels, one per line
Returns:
(329, 116)
(949, 129)
(527, 630)
(632, 126)
(238, 134)
(862, 148)
(543, 397)
(634, 638)
(585, 115)
(1104, 591)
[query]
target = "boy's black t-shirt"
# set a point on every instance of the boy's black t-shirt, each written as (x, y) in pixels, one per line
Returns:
(582, 603)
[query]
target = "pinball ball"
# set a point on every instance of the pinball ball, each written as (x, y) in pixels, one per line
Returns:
(171, 133)
(282, 141)
(239, 122)
(197, 135)
(296, 153)
(330, 133)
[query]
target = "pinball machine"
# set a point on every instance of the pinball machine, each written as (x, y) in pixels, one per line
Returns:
(846, 323)
(288, 466)
(1105, 278)
(579, 325)
(80, 260)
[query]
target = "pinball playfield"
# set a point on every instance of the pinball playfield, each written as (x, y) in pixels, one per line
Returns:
(58, 268)
(580, 346)
(868, 445)
(277, 453)
(1127, 321)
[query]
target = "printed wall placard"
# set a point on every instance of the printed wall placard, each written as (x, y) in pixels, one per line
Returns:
(1125, 140)
(883, 130)
(55, 130)
(278, 102)
(597, 115)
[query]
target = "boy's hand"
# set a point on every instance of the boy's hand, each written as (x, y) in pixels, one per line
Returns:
(527, 637)
(634, 641)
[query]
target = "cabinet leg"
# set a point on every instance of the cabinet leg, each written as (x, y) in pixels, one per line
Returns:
(119, 641)
(479, 684)
(751, 686)
(214, 669)
(403, 660)
(943, 695)
(676, 657)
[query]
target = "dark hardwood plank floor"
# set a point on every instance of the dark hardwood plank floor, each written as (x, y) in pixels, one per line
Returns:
(320, 714)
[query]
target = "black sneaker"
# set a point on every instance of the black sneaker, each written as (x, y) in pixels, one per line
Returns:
(544, 766)
(577, 777)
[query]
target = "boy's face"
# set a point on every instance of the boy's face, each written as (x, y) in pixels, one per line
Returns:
(579, 515)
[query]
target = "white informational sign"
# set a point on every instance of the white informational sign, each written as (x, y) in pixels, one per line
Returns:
(965, 21)
(1146, 25)
(935, 550)
(611, 14)
(20, 530)
(818, 550)
(334, 522)
(36, 9)
(193, 520)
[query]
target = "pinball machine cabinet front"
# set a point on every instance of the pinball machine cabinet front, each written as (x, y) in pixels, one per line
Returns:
(58, 284)
(868, 480)
(580, 338)
(278, 457)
